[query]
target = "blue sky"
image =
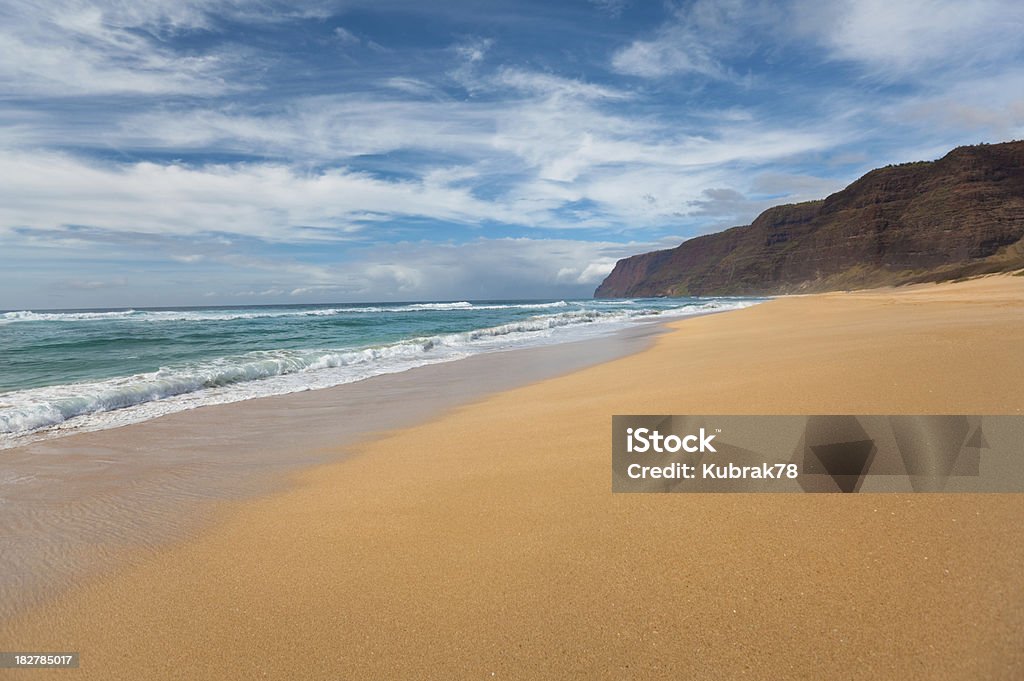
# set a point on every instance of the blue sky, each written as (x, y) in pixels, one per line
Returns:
(191, 152)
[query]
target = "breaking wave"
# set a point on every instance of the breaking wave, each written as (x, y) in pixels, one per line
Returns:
(127, 399)
(232, 315)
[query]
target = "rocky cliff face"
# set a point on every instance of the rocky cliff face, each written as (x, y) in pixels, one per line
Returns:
(959, 216)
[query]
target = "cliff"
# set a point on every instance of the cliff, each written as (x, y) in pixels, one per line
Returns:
(959, 216)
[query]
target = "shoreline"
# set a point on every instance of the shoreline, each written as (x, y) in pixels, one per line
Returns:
(140, 486)
(212, 357)
(486, 542)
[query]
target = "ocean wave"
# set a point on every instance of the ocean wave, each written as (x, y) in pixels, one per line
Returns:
(39, 408)
(158, 315)
(29, 316)
(227, 316)
(521, 306)
(141, 396)
(462, 305)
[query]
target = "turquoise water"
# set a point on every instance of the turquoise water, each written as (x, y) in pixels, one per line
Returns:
(63, 371)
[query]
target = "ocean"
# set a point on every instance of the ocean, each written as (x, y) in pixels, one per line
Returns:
(67, 371)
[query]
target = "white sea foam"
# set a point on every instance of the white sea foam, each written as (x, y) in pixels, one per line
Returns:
(38, 413)
(441, 306)
(29, 316)
(233, 315)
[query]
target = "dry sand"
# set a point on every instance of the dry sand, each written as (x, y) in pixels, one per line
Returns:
(487, 544)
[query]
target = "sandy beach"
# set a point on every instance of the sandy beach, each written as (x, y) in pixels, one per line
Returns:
(486, 543)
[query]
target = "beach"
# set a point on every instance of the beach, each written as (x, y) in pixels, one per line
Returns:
(485, 542)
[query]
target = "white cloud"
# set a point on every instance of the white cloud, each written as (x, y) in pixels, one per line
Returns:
(422, 270)
(887, 39)
(665, 56)
(268, 201)
(489, 268)
(546, 154)
(612, 8)
(120, 63)
(548, 143)
(987, 108)
(474, 50)
(897, 38)
(68, 47)
(470, 55)
(695, 40)
(546, 84)
(321, 128)
(78, 47)
(412, 86)
(593, 273)
(913, 38)
(345, 36)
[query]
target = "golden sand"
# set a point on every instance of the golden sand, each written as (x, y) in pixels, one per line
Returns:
(487, 544)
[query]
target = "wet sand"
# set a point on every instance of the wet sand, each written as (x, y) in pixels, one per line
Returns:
(485, 542)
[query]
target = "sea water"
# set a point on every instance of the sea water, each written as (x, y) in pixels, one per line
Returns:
(65, 371)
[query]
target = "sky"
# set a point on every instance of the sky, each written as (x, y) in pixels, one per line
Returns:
(213, 152)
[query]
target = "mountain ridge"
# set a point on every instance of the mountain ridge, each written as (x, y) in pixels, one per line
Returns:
(958, 216)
